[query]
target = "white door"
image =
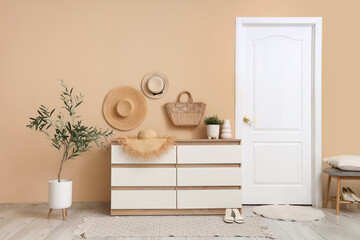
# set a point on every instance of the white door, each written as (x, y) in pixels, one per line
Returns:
(274, 111)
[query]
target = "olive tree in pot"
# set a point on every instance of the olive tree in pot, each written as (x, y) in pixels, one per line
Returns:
(213, 126)
(70, 137)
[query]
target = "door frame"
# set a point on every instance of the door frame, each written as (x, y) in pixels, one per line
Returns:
(316, 147)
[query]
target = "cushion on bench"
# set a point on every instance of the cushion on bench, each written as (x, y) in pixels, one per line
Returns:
(340, 173)
(344, 162)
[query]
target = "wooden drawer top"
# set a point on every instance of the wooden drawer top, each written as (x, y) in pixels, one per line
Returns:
(208, 142)
(117, 141)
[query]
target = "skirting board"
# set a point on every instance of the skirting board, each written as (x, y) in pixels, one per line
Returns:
(146, 212)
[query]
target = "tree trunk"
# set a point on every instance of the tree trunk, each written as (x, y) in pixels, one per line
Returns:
(64, 158)
(59, 174)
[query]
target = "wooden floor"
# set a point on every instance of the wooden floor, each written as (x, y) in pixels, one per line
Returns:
(28, 221)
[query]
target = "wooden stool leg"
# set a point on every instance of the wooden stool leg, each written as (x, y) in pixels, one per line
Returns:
(66, 212)
(50, 211)
(338, 196)
(327, 192)
(63, 213)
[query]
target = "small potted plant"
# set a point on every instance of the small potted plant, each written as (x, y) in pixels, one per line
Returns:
(213, 126)
(70, 137)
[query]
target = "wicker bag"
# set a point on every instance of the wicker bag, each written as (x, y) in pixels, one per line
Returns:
(185, 114)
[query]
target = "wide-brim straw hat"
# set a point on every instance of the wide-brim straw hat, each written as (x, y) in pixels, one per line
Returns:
(124, 108)
(154, 85)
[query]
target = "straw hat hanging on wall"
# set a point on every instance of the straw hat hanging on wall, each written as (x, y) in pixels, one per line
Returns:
(154, 85)
(124, 108)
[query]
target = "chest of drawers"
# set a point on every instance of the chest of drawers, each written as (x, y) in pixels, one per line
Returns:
(194, 177)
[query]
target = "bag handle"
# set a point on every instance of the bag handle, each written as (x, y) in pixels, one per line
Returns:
(190, 99)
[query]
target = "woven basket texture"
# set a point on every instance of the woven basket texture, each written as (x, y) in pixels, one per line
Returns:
(185, 114)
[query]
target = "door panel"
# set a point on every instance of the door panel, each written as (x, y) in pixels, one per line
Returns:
(283, 158)
(276, 83)
(273, 55)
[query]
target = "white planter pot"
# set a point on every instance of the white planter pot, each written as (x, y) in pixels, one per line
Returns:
(213, 131)
(60, 194)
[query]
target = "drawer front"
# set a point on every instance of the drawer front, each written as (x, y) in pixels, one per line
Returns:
(190, 199)
(143, 199)
(209, 154)
(222, 176)
(119, 157)
(143, 177)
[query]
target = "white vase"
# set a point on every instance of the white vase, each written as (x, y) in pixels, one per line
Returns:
(226, 130)
(213, 131)
(60, 194)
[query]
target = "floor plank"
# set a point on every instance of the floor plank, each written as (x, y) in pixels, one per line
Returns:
(29, 222)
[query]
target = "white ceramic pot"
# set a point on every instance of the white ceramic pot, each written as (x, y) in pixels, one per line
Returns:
(213, 131)
(60, 194)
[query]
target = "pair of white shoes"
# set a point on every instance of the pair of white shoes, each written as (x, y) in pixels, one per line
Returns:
(230, 219)
(349, 195)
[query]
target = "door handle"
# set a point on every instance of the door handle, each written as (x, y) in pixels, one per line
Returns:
(246, 120)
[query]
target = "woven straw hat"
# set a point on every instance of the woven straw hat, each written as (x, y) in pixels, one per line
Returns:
(146, 134)
(154, 85)
(124, 108)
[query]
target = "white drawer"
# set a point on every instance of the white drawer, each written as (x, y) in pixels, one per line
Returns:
(143, 177)
(222, 176)
(143, 199)
(209, 154)
(118, 157)
(190, 199)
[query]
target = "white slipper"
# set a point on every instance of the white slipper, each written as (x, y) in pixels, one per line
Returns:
(228, 218)
(352, 194)
(346, 195)
(238, 217)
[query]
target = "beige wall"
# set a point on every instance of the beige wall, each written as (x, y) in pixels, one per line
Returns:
(98, 45)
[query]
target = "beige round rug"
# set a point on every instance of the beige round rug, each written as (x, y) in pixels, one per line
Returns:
(289, 213)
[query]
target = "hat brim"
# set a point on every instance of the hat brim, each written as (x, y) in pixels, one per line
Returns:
(135, 118)
(145, 89)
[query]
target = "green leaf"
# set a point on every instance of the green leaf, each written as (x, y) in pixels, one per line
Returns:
(78, 103)
(55, 146)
